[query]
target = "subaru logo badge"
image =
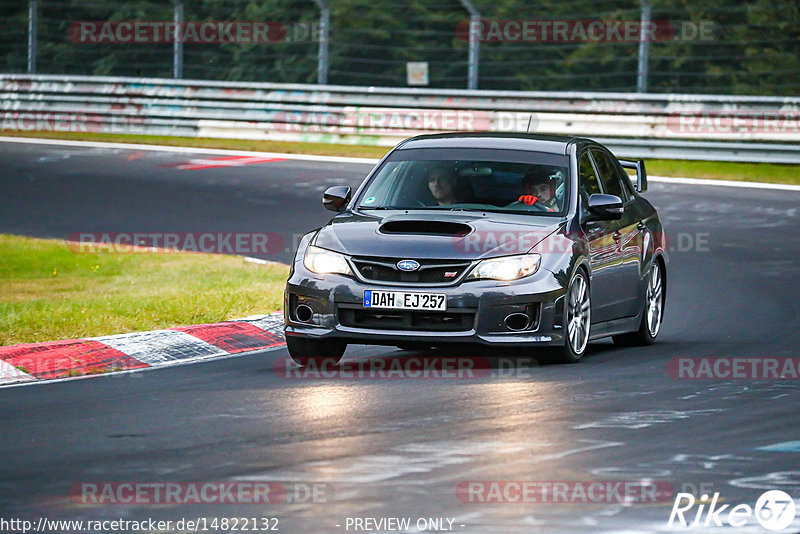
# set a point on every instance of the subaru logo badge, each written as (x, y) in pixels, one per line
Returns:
(408, 265)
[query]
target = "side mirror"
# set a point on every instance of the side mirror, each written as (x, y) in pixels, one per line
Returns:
(605, 207)
(336, 198)
(641, 174)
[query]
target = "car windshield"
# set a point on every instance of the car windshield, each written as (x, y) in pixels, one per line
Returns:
(459, 179)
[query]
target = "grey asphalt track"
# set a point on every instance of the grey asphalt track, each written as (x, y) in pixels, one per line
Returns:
(400, 448)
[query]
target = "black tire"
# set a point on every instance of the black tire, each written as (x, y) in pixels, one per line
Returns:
(653, 312)
(577, 319)
(304, 350)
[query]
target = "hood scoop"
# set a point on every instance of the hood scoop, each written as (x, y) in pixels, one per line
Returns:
(425, 227)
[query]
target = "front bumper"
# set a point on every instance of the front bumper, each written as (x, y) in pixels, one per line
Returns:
(476, 311)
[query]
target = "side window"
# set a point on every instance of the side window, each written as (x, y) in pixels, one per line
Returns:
(608, 175)
(588, 179)
(627, 184)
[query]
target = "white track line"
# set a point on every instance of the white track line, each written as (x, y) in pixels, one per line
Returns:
(342, 159)
(722, 183)
(187, 150)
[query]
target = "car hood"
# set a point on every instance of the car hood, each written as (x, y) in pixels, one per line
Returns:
(439, 235)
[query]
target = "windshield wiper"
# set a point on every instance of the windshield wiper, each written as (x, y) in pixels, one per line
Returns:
(499, 210)
(473, 209)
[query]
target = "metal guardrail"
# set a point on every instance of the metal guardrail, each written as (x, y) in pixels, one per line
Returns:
(707, 127)
(705, 151)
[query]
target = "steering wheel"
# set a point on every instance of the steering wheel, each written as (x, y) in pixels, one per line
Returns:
(538, 206)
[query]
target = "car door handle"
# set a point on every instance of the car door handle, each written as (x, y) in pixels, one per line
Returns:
(616, 235)
(641, 225)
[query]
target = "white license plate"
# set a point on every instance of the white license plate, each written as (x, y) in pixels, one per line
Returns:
(405, 300)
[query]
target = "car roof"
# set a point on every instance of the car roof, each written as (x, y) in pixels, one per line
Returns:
(556, 144)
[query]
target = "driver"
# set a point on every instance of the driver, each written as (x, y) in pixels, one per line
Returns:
(443, 186)
(540, 189)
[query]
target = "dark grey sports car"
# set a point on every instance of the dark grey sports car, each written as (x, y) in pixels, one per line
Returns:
(501, 239)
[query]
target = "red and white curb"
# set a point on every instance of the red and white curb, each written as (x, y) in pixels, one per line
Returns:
(101, 355)
(221, 162)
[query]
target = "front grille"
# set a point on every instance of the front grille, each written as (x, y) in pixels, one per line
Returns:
(430, 271)
(355, 316)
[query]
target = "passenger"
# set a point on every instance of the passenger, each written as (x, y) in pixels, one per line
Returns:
(540, 189)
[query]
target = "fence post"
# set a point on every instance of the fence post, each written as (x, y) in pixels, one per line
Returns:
(177, 45)
(644, 48)
(32, 23)
(474, 44)
(324, 38)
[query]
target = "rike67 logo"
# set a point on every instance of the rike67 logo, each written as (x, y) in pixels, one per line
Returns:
(774, 510)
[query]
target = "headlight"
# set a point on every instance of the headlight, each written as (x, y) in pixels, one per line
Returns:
(321, 261)
(507, 268)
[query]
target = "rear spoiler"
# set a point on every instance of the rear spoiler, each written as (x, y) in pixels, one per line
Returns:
(641, 175)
